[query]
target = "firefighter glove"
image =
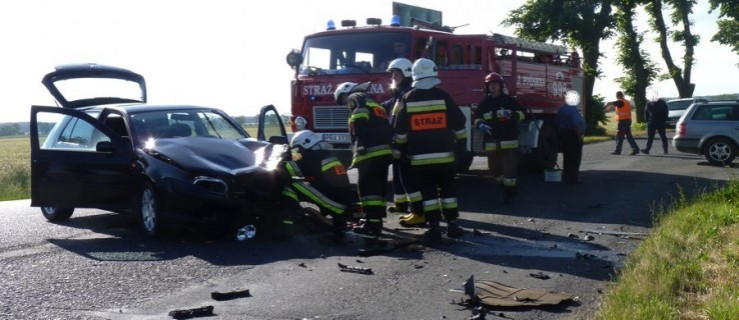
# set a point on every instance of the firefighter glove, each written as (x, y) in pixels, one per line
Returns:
(485, 129)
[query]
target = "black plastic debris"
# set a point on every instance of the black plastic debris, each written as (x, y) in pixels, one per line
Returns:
(539, 275)
(221, 296)
(477, 232)
(192, 313)
(302, 264)
(584, 256)
(573, 236)
(354, 269)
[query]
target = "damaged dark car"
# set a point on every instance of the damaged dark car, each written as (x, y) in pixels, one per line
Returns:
(104, 147)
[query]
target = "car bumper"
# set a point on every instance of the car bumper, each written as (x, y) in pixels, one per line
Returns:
(686, 145)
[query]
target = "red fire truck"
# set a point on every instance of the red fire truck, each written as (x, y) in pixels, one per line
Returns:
(537, 74)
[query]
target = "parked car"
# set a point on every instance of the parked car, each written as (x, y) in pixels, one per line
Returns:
(677, 107)
(104, 147)
(711, 129)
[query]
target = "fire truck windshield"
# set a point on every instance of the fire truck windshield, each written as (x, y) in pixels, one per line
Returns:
(353, 53)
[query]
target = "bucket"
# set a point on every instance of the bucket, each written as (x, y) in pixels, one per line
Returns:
(552, 175)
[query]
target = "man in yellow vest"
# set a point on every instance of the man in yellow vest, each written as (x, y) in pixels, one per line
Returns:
(623, 116)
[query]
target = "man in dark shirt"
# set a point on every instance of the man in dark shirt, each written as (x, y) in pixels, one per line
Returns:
(571, 128)
(656, 114)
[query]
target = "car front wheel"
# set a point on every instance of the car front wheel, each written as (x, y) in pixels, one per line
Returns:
(151, 214)
(720, 151)
(57, 214)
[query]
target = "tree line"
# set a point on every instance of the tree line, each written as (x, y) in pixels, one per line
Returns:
(584, 23)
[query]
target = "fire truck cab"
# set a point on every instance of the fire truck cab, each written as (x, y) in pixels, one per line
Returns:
(537, 74)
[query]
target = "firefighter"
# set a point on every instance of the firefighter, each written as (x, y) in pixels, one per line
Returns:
(319, 178)
(407, 198)
(429, 130)
(371, 136)
(497, 118)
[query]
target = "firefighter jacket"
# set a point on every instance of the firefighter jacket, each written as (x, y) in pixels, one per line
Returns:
(429, 127)
(623, 109)
(502, 114)
(390, 104)
(320, 177)
(369, 129)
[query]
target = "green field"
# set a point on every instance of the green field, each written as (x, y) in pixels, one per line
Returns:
(15, 168)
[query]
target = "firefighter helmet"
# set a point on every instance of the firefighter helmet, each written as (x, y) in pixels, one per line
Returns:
(424, 68)
(349, 87)
(305, 139)
(494, 77)
(402, 64)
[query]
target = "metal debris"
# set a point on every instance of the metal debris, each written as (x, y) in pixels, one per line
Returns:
(221, 296)
(539, 275)
(192, 313)
(354, 269)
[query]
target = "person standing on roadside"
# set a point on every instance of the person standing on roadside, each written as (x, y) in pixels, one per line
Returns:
(656, 114)
(623, 117)
(497, 117)
(571, 130)
(371, 138)
(407, 199)
(429, 129)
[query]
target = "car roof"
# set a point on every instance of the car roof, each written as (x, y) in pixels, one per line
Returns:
(140, 107)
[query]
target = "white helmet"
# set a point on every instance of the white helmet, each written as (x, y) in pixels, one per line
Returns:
(402, 64)
(349, 87)
(424, 68)
(305, 139)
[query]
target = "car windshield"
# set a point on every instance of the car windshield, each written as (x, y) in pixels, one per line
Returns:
(679, 105)
(86, 88)
(183, 123)
(352, 53)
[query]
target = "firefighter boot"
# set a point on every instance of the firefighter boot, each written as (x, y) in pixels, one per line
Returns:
(434, 231)
(413, 220)
(338, 228)
(372, 227)
(453, 230)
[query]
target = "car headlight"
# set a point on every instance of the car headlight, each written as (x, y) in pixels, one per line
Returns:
(300, 123)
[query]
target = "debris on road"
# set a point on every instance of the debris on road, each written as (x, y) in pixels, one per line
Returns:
(584, 256)
(477, 232)
(206, 311)
(573, 236)
(222, 296)
(385, 248)
(588, 238)
(620, 234)
(489, 293)
(540, 275)
(302, 264)
(354, 269)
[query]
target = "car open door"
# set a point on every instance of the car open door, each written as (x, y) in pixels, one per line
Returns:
(77, 162)
(270, 126)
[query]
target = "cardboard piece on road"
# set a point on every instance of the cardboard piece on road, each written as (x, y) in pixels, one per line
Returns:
(495, 294)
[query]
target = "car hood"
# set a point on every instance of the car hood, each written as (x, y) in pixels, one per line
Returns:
(219, 156)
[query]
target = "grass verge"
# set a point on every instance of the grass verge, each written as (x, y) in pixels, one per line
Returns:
(688, 268)
(15, 168)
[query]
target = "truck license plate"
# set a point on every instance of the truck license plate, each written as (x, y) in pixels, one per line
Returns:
(336, 138)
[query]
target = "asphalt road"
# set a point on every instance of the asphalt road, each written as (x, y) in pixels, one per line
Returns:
(99, 265)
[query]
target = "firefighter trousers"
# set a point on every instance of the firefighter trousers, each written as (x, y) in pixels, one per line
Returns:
(503, 163)
(407, 196)
(437, 191)
(372, 187)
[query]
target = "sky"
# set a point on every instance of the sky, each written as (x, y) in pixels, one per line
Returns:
(230, 54)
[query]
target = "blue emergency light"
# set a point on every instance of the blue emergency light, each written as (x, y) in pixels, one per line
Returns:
(395, 21)
(330, 25)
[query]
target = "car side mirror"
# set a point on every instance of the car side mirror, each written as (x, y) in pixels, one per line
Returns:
(277, 140)
(105, 147)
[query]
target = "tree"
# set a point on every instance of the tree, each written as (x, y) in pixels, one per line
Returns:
(580, 23)
(10, 129)
(681, 9)
(728, 26)
(639, 70)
